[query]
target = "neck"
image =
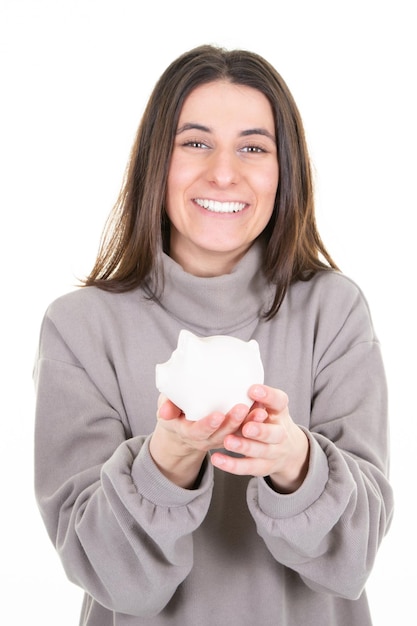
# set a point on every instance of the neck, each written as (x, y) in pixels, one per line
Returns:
(209, 265)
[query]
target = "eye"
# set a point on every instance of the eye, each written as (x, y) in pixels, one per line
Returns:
(253, 149)
(195, 144)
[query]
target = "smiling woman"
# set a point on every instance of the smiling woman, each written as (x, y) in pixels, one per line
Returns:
(223, 177)
(151, 512)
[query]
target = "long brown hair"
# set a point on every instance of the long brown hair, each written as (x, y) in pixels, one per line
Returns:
(138, 228)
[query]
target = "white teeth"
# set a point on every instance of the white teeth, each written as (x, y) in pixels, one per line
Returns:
(220, 207)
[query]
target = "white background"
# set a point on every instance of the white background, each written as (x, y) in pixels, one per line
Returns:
(75, 76)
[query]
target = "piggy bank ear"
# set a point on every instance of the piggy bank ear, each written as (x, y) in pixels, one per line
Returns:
(185, 339)
(188, 347)
(254, 347)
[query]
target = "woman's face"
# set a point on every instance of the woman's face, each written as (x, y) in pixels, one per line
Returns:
(223, 176)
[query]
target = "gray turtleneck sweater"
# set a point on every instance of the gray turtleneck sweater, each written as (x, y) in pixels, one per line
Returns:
(232, 551)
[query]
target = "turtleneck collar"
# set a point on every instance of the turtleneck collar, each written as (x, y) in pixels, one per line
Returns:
(220, 304)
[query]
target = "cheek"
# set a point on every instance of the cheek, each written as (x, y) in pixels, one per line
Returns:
(274, 179)
(268, 184)
(267, 191)
(179, 179)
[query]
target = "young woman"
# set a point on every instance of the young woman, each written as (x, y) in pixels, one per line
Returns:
(270, 515)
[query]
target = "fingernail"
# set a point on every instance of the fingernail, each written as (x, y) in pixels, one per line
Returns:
(251, 430)
(239, 412)
(233, 444)
(260, 416)
(258, 391)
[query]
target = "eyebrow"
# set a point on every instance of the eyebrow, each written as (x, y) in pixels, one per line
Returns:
(245, 133)
(257, 131)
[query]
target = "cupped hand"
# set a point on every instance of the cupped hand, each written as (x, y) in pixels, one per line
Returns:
(273, 446)
(201, 435)
(178, 446)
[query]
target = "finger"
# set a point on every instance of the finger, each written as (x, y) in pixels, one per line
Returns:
(240, 466)
(257, 414)
(269, 397)
(262, 443)
(167, 410)
(208, 425)
(265, 433)
(223, 424)
(215, 424)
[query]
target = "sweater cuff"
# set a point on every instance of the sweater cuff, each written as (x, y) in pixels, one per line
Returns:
(276, 505)
(151, 483)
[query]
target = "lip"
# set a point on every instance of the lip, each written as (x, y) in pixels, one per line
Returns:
(221, 207)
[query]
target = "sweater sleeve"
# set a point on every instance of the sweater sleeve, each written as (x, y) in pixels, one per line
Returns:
(329, 530)
(122, 530)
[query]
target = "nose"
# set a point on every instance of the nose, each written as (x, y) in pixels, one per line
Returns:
(223, 168)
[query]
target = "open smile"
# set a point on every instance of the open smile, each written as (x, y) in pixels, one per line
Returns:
(220, 207)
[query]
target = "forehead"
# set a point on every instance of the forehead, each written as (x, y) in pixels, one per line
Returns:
(226, 102)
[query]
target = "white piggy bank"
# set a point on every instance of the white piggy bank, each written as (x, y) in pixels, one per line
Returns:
(206, 374)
